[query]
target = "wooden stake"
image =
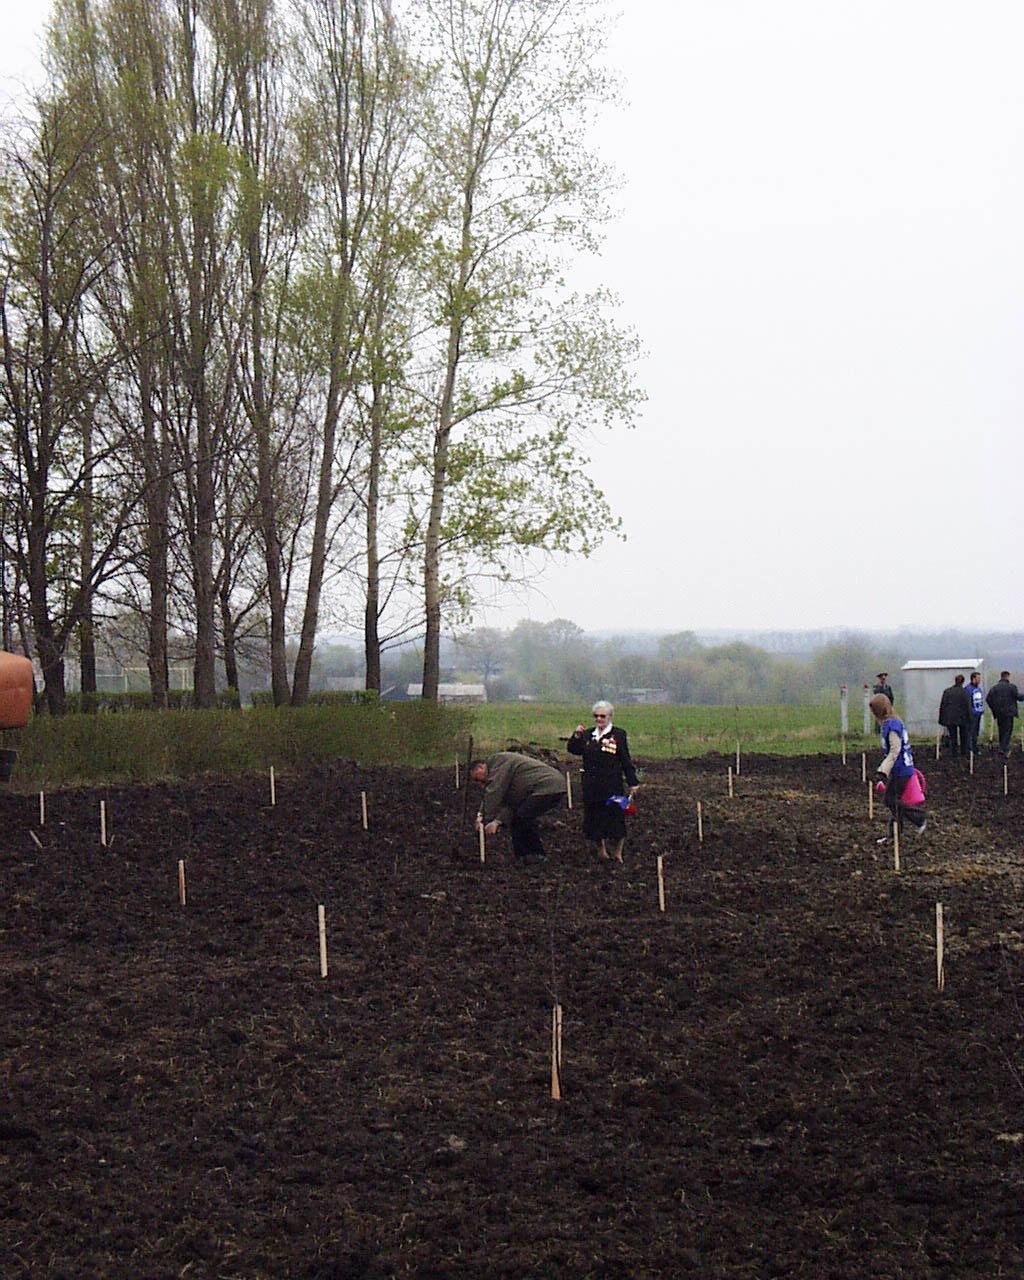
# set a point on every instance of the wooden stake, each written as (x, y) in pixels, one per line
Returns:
(42, 809)
(362, 802)
(181, 881)
(1006, 781)
(661, 883)
(568, 789)
(103, 823)
(972, 764)
(737, 759)
(895, 848)
(321, 928)
(844, 748)
(700, 823)
(863, 766)
(273, 788)
(556, 1072)
(730, 782)
(456, 774)
(940, 940)
(558, 1038)
(937, 736)
(871, 800)
(483, 844)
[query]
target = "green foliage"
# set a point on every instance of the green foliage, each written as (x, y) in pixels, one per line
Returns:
(89, 749)
(324, 698)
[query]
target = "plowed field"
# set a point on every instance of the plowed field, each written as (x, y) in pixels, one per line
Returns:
(764, 1079)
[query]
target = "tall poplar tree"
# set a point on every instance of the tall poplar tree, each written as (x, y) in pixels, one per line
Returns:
(519, 367)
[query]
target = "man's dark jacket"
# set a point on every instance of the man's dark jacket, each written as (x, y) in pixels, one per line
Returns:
(1002, 699)
(955, 707)
(512, 778)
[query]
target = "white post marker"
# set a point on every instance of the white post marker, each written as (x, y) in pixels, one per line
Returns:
(321, 928)
(844, 748)
(867, 712)
(871, 800)
(940, 942)
(456, 774)
(181, 881)
(737, 759)
(273, 788)
(556, 1064)
(844, 710)
(483, 845)
(700, 823)
(895, 848)
(103, 823)
(568, 789)
(730, 782)
(42, 809)
(1006, 781)
(362, 802)
(937, 736)
(863, 766)
(661, 883)
(972, 764)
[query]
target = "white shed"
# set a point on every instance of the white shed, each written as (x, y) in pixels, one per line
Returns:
(923, 683)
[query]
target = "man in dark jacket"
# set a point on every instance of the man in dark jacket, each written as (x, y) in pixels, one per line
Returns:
(883, 688)
(955, 716)
(519, 789)
(882, 685)
(1002, 700)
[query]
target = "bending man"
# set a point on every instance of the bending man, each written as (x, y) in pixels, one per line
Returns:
(519, 789)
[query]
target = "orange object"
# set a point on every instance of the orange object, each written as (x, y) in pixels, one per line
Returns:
(15, 691)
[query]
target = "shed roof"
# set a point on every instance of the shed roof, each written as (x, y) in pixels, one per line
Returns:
(939, 664)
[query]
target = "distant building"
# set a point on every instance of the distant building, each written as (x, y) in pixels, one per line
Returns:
(648, 697)
(923, 683)
(452, 692)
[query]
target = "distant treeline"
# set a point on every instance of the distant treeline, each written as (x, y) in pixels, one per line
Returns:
(557, 662)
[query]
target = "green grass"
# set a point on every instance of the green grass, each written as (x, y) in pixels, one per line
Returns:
(659, 733)
(147, 746)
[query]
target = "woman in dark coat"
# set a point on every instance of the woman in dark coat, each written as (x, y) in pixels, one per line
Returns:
(607, 769)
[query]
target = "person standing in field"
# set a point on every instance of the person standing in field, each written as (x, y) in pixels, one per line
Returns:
(977, 697)
(1002, 699)
(607, 768)
(518, 790)
(897, 768)
(884, 688)
(955, 716)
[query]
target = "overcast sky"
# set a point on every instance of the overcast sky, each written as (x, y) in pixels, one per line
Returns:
(822, 249)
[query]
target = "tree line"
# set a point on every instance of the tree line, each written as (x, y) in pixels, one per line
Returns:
(558, 661)
(285, 338)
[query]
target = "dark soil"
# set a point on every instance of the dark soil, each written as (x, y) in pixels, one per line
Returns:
(764, 1080)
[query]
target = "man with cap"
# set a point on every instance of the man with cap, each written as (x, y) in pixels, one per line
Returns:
(1002, 699)
(519, 789)
(882, 688)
